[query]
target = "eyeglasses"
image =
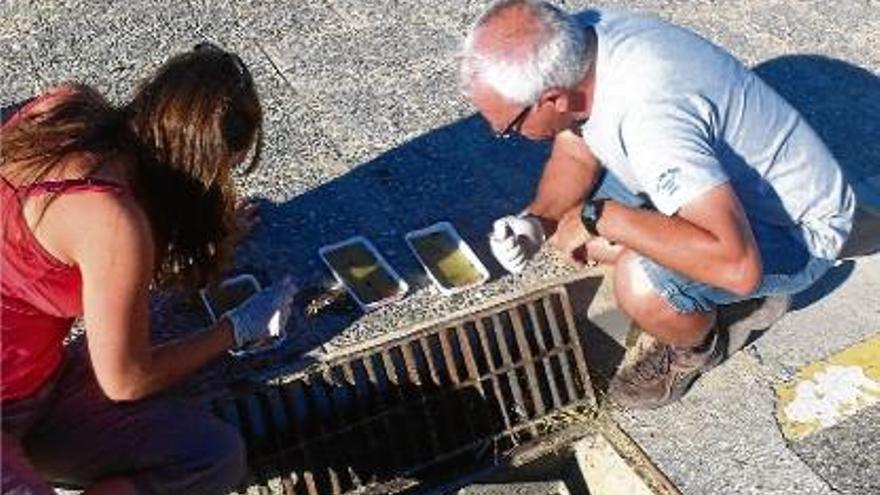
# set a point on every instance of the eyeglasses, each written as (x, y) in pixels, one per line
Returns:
(514, 124)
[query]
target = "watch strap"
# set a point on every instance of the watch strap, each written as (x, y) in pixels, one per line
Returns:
(590, 215)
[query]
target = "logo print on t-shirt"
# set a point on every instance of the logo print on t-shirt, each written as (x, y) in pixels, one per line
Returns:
(667, 182)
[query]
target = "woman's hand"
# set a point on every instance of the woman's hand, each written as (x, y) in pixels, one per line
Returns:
(264, 315)
(247, 216)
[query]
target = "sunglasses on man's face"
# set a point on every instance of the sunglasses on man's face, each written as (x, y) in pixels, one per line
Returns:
(514, 125)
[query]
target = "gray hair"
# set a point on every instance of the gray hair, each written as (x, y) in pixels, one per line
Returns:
(558, 57)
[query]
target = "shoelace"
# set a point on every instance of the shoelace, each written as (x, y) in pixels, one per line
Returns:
(656, 363)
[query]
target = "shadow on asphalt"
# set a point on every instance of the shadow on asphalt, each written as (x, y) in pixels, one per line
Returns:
(834, 278)
(842, 103)
(461, 174)
(457, 173)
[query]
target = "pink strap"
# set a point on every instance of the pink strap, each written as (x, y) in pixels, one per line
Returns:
(73, 185)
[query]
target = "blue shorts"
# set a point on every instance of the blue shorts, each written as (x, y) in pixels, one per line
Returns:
(788, 266)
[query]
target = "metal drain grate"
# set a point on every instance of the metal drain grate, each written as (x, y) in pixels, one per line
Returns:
(419, 409)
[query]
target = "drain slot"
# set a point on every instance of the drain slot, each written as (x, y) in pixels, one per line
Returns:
(419, 410)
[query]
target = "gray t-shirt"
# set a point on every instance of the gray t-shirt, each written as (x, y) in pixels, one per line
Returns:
(674, 115)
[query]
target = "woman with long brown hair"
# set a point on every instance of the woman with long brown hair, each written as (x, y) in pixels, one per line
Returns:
(99, 206)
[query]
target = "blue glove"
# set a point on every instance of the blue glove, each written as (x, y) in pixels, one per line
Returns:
(263, 315)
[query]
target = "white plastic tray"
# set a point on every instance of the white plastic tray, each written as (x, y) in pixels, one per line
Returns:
(447, 229)
(402, 286)
(212, 312)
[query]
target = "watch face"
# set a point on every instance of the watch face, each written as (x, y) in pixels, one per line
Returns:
(588, 217)
(589, 212)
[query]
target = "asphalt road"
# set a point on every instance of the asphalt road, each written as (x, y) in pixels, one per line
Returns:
(357, 90)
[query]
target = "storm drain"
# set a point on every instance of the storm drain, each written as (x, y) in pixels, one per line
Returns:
(418, 410)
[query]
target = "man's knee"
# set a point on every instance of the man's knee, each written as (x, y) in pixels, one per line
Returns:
(634, 291)
(638, 297)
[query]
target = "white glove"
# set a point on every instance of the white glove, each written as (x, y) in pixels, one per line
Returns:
(263, 315)
(515, 239)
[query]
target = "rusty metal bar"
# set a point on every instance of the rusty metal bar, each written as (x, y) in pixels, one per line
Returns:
(528, 360)
(442, 399)
(332, 391)
(455, 383)
(396, 391)
(295, 435)
(545, 362)
(270, 403)
(416, 380)
(576, 348)
(517, 406)
(380, 398)
(446, 429)
(449, 357)
(559, 342)
(473, 374)
(324, 473)
(493, 375)
(432, 368)
(465, 346)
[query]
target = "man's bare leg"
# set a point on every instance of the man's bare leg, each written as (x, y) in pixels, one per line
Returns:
(637, 297)
(681, 347)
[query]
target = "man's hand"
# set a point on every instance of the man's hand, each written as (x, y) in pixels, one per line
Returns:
(515, 239)
(571, 237)
(601, 250)
(578, 246)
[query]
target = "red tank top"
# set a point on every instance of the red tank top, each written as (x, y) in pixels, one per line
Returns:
(39, 295)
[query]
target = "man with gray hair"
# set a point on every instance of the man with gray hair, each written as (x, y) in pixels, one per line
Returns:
(672, 162)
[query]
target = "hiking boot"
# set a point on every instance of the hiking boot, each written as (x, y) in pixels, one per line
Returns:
(653, 374)
(741, 319)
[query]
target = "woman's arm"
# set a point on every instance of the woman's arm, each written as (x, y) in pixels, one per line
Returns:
(112, 245)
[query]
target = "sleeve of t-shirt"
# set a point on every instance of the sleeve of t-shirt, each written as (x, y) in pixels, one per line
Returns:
(669, 145)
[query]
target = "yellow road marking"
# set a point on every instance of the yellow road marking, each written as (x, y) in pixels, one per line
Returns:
(825, 392)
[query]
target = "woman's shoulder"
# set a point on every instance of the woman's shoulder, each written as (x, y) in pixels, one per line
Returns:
(90, 202)
(101, 221)
(100, 195)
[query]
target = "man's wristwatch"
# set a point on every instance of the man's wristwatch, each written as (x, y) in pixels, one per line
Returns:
(590, 215)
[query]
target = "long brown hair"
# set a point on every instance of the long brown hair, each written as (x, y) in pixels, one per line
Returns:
(74, 118)
(183, 126)
(196, 112)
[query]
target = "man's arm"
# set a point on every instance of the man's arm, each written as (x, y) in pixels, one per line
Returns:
(568, 176)
(709, 239)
